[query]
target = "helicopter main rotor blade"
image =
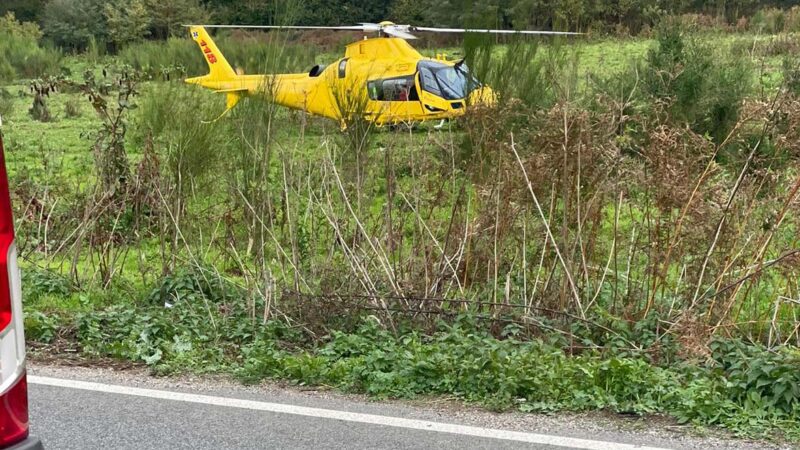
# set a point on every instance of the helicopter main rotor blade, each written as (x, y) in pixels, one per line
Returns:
(289, 27)
(398, 31)
(489, 31)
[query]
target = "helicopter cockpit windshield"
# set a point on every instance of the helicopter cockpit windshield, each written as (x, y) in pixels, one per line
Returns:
(446, 81)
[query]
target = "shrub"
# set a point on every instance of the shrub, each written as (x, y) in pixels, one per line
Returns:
(41, 327)
(783, 45)
(23, 56)
(756, 375)
(770, 21)
(72, 108)
(522, 71)
(791, 75)
(698, 22)
(40, 282)
(151, 57)
(39, 110)
(792, 24)
(6, 103)
(701, 86)
(7, 72)
(193, 285)
(173, 116)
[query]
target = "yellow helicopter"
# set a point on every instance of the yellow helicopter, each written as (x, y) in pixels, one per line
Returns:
(384, 79)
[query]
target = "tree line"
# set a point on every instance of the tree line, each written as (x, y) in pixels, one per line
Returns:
(75, 24)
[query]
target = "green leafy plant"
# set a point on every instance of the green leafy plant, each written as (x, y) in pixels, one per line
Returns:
(41, 327)
(45, 282)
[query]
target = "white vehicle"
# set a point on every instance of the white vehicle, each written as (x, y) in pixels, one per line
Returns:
(13, 381)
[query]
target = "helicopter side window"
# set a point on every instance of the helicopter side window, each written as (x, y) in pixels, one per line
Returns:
(374, 90)
(393, 90)
(428, 82)
(343, 68)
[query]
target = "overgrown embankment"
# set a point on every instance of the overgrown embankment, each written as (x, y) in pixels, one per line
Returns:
(492, 361)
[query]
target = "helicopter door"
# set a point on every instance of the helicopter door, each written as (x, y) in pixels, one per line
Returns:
(395, 99)
(430, 93)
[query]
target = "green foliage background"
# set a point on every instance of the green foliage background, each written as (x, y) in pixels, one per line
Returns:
(73, 23)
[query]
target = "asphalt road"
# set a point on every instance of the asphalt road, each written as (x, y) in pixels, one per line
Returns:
(86, 410)
(72, 419)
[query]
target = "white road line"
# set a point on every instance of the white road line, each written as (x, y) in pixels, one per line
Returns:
(346, 416)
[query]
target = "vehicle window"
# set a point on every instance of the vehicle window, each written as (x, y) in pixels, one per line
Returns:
(452, 82)
(343, 68)
(396, 90)
(375, 90)
(393, 89)
(428, 81)
(446, 81)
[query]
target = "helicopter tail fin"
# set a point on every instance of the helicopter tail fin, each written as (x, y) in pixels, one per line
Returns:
(218, 67)
(221, 77)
